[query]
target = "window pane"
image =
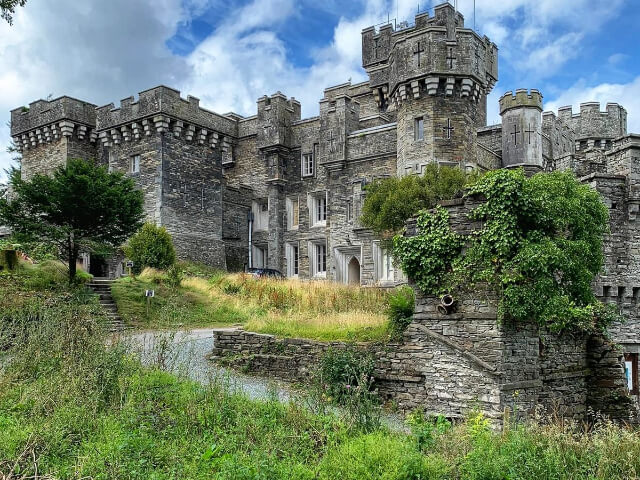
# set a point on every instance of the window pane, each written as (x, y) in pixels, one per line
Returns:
(419, 129)
(296, 212)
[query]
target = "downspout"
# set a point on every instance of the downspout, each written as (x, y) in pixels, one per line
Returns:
(250, 218)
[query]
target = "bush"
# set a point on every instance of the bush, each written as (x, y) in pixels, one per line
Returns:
(151, 246)
(346, 379)
(174, 276)
(400, 310)
(390, 202)
(427, 429)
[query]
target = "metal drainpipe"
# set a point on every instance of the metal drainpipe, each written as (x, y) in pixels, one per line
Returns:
(250, 218)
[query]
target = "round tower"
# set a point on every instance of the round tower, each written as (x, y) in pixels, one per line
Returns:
(521, 129)
(435, 76)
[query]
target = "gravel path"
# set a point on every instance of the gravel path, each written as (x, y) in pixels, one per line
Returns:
(185, 353)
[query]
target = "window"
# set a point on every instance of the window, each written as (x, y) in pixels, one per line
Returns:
(259, 259)
(631, 372)
(134, 167)
(387, 266)
(418, 128)
(293, 259)
(383, 264)
(318, 259)
(349, 211)
(260, 215)
(318, 209)
(307, 165)
(293, 213)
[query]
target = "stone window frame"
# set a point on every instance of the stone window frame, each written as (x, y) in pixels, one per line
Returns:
(292, 253)
(293, 214)
(307, 165)
(384, 270)
(631, 359)
(318, 214)
(134, 164)
(263, 255)
(418, 129)
(318, 258)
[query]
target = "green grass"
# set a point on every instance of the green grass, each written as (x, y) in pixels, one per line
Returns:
(287, 308)
(171, 306)
(72, 407)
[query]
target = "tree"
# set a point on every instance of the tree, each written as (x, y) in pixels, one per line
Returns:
(8, 8)
(81, 206)
(151, 246)
(390, 202)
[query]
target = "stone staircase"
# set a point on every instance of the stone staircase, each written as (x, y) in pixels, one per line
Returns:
(102, 288)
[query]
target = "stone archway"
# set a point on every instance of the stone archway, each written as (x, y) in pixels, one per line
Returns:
(353, 270)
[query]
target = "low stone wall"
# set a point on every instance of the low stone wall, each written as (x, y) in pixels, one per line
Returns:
(451, 364)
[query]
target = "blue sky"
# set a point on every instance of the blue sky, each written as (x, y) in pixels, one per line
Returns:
(228, 53)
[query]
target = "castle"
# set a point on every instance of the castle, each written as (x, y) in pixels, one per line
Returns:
(280, 191)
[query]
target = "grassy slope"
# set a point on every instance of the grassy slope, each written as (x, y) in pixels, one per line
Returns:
(78, 409)
(316, 310)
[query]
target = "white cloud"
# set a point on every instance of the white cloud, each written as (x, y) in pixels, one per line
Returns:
(544, 33)
(242, 61)
(626, 94)
(97, 51)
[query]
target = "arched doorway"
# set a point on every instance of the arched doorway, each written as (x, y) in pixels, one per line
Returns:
(354, 271)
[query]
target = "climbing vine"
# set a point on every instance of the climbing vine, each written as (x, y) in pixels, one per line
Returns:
(539, 245)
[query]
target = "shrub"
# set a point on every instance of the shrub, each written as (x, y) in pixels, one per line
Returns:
(390, 202)
(174, 276)
(346, 379)
(151, 246)
(401, 308)
(427, 429)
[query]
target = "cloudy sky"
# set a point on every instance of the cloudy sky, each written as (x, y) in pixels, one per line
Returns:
(230, 52)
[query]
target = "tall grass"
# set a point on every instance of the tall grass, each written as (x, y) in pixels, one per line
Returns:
(292, 308)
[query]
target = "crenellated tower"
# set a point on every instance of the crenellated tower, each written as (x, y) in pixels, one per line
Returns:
(436, 75)
(522, 129)
(50, 132)
(274, 141)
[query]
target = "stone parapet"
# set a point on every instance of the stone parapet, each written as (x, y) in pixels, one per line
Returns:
(522, 98)
(161, 109)
(398, 58)
(46, 121)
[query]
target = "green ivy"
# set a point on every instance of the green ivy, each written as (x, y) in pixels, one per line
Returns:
(428, 257)
(539, 246)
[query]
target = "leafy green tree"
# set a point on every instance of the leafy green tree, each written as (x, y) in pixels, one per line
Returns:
(81, 206)
(390, 202)
(539, 245)
(151, 246)
(8, 8)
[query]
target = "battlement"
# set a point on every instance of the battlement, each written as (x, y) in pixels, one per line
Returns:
(433, 55)
(522, 98)
(593, 123)
(46, 112)
(166, 103)
(291, 104)
(591, 108)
